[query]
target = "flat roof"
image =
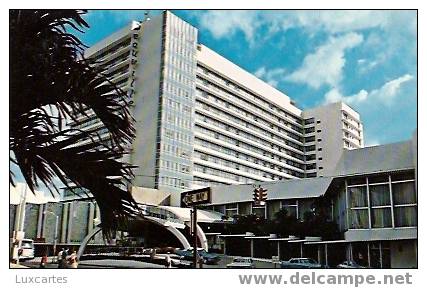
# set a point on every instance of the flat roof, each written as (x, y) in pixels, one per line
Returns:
(277, 190)
(376, 159)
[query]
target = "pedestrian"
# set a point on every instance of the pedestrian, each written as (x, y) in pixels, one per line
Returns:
(43, 261)
(168, 262)
(72, 261)
(62, 258)
(59, 259)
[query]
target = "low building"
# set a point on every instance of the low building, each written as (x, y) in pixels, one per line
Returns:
(372, 199)
(367, 209)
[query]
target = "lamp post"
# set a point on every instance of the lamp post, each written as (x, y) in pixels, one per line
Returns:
(55, 239)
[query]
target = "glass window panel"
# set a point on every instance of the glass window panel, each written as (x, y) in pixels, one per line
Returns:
(359, 219)
(219, 208)
(230, 213)
(260, 211)
(245, 208)
(358, 197)
(379, 195)
(272, 208)
(405, 216)
(291, 211)
(381, 217)
(404, 193)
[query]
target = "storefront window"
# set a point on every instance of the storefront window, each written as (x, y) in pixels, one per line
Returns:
(380, 254)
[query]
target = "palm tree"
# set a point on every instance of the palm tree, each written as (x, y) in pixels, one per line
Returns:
(51, 83)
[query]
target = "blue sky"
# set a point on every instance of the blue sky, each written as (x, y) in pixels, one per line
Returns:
(367, 59)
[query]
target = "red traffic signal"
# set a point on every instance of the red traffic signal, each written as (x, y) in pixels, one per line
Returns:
(260, 196)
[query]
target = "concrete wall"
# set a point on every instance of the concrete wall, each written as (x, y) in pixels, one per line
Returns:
(331, 135)
(403, 254)
(146, 100)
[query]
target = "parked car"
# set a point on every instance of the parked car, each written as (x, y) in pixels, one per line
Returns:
(241, 262)
(349, 264)
(300, 263)
(208, 258)
(26, 252)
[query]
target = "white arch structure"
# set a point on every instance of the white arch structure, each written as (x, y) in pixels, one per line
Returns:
(184, 242)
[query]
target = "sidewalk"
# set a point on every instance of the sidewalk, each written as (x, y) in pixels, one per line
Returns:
(15, 266)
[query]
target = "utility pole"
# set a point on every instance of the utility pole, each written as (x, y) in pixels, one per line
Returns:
(194, 231)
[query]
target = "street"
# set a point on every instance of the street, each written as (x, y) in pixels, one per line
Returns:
(134, 264)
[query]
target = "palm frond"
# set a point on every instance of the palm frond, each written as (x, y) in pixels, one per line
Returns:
(51, 83)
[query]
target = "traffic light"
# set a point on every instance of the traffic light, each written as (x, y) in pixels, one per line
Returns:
(260, 196)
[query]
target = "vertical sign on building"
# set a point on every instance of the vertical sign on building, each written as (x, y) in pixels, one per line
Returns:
(133, 60)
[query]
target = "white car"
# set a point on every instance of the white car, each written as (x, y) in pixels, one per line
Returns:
(350, 264)
(26, 251)
(241, 262)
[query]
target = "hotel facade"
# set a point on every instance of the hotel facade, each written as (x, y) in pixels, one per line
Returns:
(203, 121)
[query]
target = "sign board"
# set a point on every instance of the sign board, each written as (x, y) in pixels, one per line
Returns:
(196, 197)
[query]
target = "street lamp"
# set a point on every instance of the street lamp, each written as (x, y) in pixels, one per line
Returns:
(55, 239)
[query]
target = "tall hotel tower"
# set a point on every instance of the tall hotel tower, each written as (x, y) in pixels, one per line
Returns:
(202, 120)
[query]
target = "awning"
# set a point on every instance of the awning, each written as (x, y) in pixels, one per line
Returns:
(233, 235)
(283, 239)
(258, 237)
(307, 239)
(203, 216)
(326, 242)
(212, 233)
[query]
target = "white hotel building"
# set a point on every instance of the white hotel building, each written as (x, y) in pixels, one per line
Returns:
(202, 120)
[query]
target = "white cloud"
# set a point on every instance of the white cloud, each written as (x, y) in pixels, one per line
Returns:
(340, 21)
(386, 93)
(389, 90)
(224, 24)
(325, 65)
(271, 76)
(334, 95)
(364, 65)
